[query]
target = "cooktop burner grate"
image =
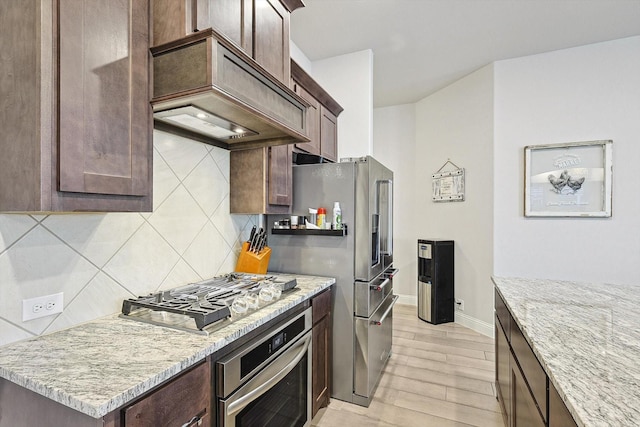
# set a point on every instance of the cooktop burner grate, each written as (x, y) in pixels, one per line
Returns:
(205, 302)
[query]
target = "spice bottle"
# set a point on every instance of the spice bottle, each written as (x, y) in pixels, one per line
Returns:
(337, 216)
(322, 217)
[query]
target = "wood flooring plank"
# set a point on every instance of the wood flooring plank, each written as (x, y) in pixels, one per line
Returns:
(436, 377)
(471, 345)
(436, 391)
(403, 334)
(488, 365)
(470, 336)
(440, 348)
(447, 368)
(449, 410)
(417, 329)
(380, 411)
(417, 352)
(469, 398)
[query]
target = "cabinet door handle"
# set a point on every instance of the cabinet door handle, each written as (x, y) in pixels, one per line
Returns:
(195, 421)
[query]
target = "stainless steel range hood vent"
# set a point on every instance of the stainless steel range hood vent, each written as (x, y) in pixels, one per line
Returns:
(197, 120)
(207, 89)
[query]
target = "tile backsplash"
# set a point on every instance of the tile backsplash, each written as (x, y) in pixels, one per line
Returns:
(98, 260)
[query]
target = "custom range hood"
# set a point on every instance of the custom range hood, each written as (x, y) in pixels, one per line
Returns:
(207, 89)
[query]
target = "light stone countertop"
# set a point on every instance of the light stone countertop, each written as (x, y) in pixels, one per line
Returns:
(587, 339)
(101, 365)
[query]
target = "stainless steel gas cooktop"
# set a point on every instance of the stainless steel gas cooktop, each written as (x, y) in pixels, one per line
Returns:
(208, 305)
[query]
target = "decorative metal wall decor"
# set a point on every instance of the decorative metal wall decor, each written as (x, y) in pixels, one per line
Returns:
(568, 180)
(448, 186)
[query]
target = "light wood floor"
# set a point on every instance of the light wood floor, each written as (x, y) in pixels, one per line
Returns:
(438, 375)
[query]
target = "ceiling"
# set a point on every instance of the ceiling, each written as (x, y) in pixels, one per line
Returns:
(421, 46)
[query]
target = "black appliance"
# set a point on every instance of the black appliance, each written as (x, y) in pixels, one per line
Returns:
(436, 300)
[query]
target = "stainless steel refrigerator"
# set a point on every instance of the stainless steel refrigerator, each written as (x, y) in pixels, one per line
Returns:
(360, 258)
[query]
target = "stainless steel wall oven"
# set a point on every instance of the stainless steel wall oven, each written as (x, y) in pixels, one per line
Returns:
(268, 381)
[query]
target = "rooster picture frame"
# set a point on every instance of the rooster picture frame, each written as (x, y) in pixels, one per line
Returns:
(568, 180)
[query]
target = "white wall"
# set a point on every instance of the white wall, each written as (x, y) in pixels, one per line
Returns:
(456, 123)
(349, 80)
(586, 93)
(300, 58)
(394, 146)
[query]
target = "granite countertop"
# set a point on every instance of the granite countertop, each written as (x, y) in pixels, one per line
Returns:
(101, 365)
(587, 339)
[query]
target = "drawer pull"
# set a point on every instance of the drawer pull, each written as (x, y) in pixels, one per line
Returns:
(381, 287)
(386, 312)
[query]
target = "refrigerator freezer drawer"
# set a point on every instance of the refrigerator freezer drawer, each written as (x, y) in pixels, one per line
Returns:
(373, 347)
(369, 295)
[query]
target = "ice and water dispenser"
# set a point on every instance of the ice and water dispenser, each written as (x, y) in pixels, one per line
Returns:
(436, 299)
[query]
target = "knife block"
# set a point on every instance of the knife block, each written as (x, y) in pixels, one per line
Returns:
(251, 262)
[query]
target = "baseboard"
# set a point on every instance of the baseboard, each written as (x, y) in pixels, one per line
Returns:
(463, 319)
(472, 323)
(408, 300)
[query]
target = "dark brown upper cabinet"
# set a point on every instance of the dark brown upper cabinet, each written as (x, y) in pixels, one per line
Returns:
(322, 115)
(259, 27)
(261, 180)
(222, 71)
(75, 111)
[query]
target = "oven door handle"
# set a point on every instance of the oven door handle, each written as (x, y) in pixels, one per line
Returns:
(252, 395)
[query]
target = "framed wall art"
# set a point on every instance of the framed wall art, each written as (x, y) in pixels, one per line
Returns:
(448, 186)
(568, 180)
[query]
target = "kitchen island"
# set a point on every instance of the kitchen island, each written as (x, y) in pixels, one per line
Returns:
(100, 366)
(586, 337)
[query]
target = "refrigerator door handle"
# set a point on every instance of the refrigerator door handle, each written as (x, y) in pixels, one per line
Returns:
(388, 250)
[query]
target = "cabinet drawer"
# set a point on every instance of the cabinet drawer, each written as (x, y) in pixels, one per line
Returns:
(502, 312)
(321, 305)
(535, 376)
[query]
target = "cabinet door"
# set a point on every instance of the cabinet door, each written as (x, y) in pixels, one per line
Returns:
(182, 402)
(280, 175)
(259, 27)
(313, 122)
(173, 19)
(321, 315)
(559, 415)
(231, 18)
(328, 134)
(271, 38)
(524, 412)
(503, 373)
(104, 110)
(321, 371)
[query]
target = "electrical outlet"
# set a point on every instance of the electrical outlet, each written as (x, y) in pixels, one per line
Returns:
(47, 305)
(460, 304)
